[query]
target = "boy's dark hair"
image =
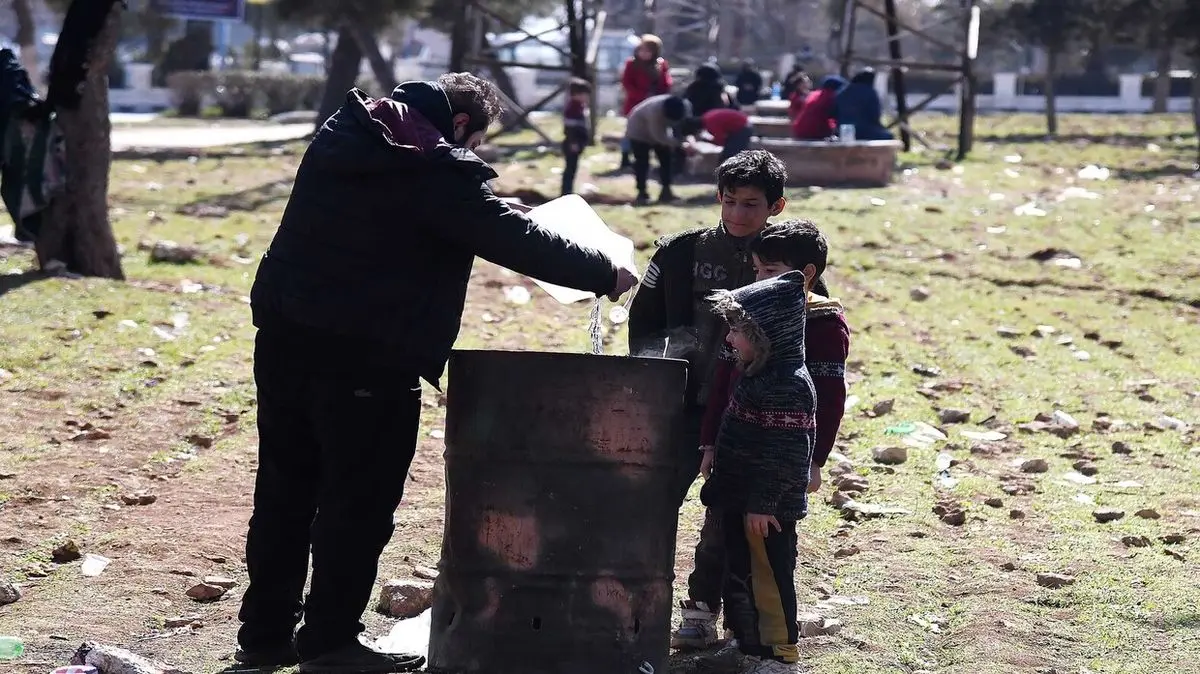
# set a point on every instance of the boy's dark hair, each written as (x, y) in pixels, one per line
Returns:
(675, 109)
(753, 168)
(475, 97)
(796, 243)
(579, 85)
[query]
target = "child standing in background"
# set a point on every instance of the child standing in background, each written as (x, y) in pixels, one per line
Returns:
(576, 130)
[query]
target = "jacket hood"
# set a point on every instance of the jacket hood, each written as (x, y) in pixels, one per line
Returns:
(833, 82)
(376, 135)
(708, 73)
(771, 314)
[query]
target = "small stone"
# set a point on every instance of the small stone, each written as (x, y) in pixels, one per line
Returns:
(1119, 447)
(201, 441)
(425, 573)
(220, 581)
(216, 559)
(830, 627)
(1104, 515)
(1023, 351)
(206, 592)
(1136, 541)
(405, 598)
(1086, 468)
(138, 499)
(919, 294)
(66, 553)
(994, 502)
(1035, 466)
(1015, 514)
(883, 407)
(854, 484)
(890, 456)
(171, 252)
(1008, 566)
(840, 499)
(181, 621)
(9, 592)
(1174, 554)
(1148, 514)
(1044, 331)
(1055, 581)
(953, 416)
(1173, 539)
(811, 624)
(1008, 333)
(846, 552)
(927, 370)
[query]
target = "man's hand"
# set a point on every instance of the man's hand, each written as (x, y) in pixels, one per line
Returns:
(626, 280)
(814, 478)
(760, 525)
(707, 462)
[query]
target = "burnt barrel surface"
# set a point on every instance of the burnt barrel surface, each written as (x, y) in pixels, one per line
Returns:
(559, 546)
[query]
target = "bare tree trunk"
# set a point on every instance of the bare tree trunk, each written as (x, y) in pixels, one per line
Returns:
(1051, 103)
(77, 231)
(341, 74)
(385, 74)
(1162, 83)
(27, 40)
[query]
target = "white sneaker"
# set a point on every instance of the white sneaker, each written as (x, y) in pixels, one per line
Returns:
(698, 629)
(755, 665)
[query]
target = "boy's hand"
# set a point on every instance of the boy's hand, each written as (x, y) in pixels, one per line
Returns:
(626, 280)
(760, 525)
(707, 462)
(814, 478)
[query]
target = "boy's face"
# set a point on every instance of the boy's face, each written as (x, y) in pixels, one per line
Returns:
(745, 210)
(740, 343)
(766, 270)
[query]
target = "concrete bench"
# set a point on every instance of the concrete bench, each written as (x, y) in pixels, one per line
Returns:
(772, 108)
(865, 163)
(772, 127)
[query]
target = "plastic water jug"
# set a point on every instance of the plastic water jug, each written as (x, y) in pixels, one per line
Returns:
(573, 219)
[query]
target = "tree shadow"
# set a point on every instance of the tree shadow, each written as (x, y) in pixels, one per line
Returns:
(270, 148)
(1170, 170)
(10, 282)
(250, 199)
(1117, 139)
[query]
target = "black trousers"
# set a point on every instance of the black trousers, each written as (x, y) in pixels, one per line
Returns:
(641, 165)
(706, 582)
(569, 170)
(760, 589)
(737, 142)
(335, 444)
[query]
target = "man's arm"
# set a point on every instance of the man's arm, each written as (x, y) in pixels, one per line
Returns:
(479, 221)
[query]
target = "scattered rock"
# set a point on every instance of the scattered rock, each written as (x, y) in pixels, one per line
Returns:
(91, 434)
(216, 559)
(1008, 566)
(171, 252)
(927, 370)
(919, 294)
(1055, 581)
(831, 626)
(9, 592)
(953, 416)
(1086, 468)
(1008, 333)
(1174, 554)
(1023, 350)
(854, 484)
(181, 621)
(853, 510)
(890, 456)
(1044, 331)
(950, 512)
(138, 499)
(994, 502)
(1136, 541)
(1148, 514)
(1104, 515)
(1035, 466)
(1119, 447)
(1173, 539)
(221, 582)
(810, 624)
(846, 552)
(113, 660)
(1016, 514)
(201, 441)
(425, 573)
(1018, 487)
(206, 592)
(883, 407)
(405, 598)
(66, 553)
(840, 499)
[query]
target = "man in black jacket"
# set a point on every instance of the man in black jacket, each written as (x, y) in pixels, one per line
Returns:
(358, 298)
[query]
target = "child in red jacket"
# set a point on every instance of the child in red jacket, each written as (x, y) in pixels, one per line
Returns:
(645, 74)
(816, 119)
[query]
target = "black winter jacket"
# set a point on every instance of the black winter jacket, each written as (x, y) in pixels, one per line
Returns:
(385, 219)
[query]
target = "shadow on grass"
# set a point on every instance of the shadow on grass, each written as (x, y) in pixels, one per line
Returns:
(273, 148)
(250, 199)
(10, 282)
(1117, 139)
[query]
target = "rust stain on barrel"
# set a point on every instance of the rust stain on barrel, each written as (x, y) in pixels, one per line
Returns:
(514, 539)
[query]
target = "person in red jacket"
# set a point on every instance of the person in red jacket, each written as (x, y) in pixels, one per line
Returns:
(802, 87)
(729, 128)
(645, 74)
(817, 118)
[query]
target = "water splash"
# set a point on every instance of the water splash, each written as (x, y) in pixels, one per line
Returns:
(595, 329)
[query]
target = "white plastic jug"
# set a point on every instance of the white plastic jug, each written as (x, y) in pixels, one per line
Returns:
(572, 218)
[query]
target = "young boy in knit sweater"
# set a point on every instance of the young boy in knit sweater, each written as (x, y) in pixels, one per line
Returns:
(759, 477)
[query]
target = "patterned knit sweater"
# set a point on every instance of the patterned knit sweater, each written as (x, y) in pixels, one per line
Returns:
(826, 349)
(768, 431)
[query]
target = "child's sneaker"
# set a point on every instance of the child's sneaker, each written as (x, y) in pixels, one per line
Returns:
(699, 627)
(767, 666)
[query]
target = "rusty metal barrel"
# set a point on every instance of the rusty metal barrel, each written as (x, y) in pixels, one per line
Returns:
(561, 509)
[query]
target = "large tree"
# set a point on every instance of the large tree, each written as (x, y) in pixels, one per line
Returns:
(1055, 26)
(77, 232)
